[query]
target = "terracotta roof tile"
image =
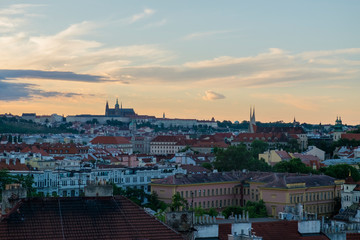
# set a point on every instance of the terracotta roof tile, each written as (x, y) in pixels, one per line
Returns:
(83, 218)
(110, 140)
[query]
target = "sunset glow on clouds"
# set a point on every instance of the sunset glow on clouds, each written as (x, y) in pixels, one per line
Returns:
(58, 60)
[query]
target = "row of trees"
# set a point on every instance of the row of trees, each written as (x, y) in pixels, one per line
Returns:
(239, 158)
(21, 126)
(26, 182)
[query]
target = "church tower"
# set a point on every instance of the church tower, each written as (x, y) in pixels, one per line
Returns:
(117, 104)
(107, 108)
(252, 123)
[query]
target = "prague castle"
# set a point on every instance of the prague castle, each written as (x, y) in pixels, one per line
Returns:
(118, 111)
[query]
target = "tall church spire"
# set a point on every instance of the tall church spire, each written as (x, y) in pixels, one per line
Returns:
(117, 104)
(107, 108)
(252, 123)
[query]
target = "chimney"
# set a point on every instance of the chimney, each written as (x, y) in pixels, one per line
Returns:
(12, 194)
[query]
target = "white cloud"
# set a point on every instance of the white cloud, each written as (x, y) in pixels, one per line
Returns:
(274, 67)
(156, 24)
(198, 35)
(211, 95)
(69, 51)
(146, 13)
(14, 16)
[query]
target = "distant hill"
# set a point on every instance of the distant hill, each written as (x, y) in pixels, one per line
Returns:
(13, 125)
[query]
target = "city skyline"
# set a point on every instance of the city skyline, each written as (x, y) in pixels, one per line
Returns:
(190, 60)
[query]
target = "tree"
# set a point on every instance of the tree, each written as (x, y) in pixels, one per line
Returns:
(154, 202)
(257, 147)
(178, 202)
(233, 158)
(27, 183)
(212, 212)
(238, 158)
(255, 209)
(341, 171)
(292, 166)
(207, 165)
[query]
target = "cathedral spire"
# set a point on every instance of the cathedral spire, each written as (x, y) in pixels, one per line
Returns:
(107, 108)
(117, 104)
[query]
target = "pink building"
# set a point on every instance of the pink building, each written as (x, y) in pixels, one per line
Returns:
(277, 190)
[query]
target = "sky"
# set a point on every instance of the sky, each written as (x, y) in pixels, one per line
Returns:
(187, 59)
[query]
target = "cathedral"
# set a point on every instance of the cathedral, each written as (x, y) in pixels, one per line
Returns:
(118, 111)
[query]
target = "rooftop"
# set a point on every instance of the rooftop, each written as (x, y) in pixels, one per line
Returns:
(82, 218)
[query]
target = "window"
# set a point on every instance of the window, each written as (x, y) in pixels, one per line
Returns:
(220, 191)
(212, 192)
(186, 194)
(199, 193)
(217, 193)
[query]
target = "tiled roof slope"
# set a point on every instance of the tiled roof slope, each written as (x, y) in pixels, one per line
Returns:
(82, 218)
(180, 179)
(110, 140)
(281, 230)
(270, 179)
(351, 136)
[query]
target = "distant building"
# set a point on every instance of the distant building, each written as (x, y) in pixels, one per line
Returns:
(118, 111)
(113, 142)
(316, 193)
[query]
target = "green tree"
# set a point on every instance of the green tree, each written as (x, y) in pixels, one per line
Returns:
(341, 171)
(255, 209)
(207, 165)
(233, 158)
(232, 211)
(212, 212)
(178, 202)
(154, 202)
(237, 158)
(292, 166)
(27, 183)
(258, 147)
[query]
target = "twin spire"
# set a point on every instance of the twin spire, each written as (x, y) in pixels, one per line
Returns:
(252, 123)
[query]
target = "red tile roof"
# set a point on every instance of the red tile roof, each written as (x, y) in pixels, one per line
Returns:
(283, 155)
(224, 230)
(82, 218)
(281, 230)
(168, 138)
(13, 167)
(110, 140)
(191, 169)
(350, 136)
(352, 236)
(266, 137)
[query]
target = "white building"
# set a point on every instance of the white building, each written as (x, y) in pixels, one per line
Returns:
(66, 183)
(350, 193)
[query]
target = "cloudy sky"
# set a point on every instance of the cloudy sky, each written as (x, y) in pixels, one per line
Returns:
(189, 59)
